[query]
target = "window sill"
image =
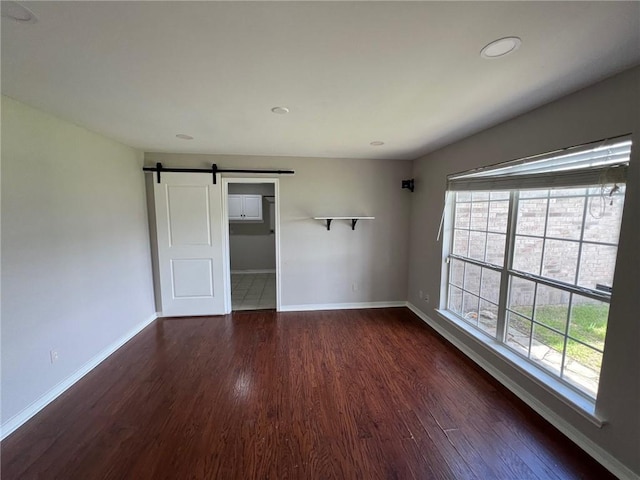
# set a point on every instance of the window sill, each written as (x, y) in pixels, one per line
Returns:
(580, 404)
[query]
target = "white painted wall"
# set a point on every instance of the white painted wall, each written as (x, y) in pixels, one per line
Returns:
(319, 266)
(76, 272)
(606, 109)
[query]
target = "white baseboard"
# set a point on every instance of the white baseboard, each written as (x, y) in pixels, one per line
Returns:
(340, 306)
(598, 453)
(20, 418)
(244, 272)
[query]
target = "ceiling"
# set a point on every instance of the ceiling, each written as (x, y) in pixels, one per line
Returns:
(405, 73)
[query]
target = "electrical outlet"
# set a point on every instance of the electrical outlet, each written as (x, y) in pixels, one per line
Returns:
(420, 293)
(426, 298)
(355, 287)
(54, 356)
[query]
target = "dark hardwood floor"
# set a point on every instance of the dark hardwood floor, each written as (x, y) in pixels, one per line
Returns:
(257, 395)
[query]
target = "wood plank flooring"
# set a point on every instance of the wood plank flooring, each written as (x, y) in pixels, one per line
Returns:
(359, 394)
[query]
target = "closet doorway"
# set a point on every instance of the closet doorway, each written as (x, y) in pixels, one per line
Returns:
(252, 238)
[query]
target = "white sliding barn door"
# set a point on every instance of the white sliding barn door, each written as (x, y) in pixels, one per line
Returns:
(190, 248)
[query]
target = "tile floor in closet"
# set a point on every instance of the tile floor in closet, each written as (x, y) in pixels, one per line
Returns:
(253, 291)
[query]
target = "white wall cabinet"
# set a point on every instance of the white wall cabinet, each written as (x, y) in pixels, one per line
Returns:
(245, 208)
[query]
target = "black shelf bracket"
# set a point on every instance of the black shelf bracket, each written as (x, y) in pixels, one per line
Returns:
(353, 219)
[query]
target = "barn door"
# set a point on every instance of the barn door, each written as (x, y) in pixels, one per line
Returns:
(190, 249)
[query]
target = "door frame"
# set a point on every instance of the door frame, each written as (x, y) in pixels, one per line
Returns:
(226, 258)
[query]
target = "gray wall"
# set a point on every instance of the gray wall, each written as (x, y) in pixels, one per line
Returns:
(76, 273)
(252, 245)
(606, 109)
(320, 266)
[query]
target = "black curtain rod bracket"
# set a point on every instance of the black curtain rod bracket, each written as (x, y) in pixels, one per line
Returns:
(409, 184)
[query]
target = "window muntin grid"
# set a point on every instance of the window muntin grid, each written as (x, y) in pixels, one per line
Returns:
(555, 241)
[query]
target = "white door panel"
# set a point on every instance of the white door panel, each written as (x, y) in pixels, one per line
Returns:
(192, 278)
(190, 248)
(189, 215)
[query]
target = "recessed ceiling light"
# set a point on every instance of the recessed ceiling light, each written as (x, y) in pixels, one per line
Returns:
(501, 47)
(280, 110)
(377, 143)
(184, 136)
(15, 11)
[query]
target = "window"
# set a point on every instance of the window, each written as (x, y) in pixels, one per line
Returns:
(531, 255)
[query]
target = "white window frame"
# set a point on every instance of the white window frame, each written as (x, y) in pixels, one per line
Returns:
(572, 396)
